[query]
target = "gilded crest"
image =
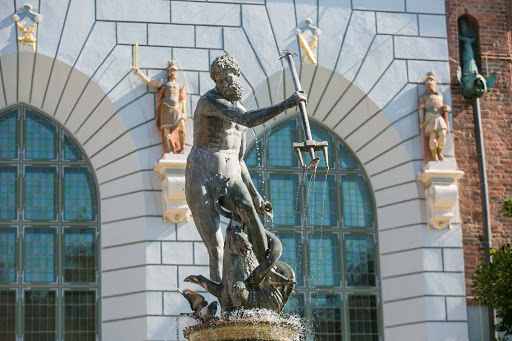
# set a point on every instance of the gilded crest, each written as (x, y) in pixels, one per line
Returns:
(308, 39)
(27, 22)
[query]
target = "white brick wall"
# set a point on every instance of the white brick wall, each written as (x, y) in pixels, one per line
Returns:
(205, 13)
(417, 47)
(432, 25)
(391, 5)
(397, 24)
(133, 10)
(372, 60)
(171, 35)
(431, 6)
(209, 37)
(178, 253)
(130, 33)
(418, 309)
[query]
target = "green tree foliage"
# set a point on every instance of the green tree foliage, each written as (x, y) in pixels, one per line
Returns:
(507, 207)
(492, 285)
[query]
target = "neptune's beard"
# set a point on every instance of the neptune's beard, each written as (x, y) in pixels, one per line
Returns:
(232, 92)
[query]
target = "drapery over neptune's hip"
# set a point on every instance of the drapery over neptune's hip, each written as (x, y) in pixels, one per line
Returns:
(205, 162)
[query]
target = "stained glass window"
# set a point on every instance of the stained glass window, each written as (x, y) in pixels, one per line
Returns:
(40, 321)
(40, 255)
(347, 161)
(254, 155)
(8, 136)
(292, 254)
(8, 254)
(8, 315)
(48, 232)
(40, 193)
(79, 203)
(79, 255)
(322, 202)
(80, 315)
(359, 256)
(326, 317)
(71, 150)
(40, 138)
(323, 260)
(295, 305)
(327, 227)
(281, 141)
(356, 202)
(283, 189)
(363, 315)
(8, 193)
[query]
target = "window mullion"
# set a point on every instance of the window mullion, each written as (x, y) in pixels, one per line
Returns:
(60, 242)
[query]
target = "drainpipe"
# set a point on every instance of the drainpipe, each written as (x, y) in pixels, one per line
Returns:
(485, 195)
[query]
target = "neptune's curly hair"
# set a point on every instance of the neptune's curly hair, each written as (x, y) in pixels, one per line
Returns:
(222, 63)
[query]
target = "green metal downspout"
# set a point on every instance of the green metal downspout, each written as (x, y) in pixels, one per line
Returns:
(486, 217)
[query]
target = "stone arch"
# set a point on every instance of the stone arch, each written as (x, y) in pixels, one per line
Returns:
(60, 202)
(108, 114)
(382, 131)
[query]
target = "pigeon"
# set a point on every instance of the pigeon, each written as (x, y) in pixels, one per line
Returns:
(202, 311)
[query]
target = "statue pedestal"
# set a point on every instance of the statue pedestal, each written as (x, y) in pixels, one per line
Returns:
(171, 170)
(244, 329)
(441, 191)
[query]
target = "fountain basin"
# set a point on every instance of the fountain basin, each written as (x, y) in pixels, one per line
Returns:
(245, 330)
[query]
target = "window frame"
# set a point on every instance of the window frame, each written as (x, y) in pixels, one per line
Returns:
(303, 230)
(60, 226)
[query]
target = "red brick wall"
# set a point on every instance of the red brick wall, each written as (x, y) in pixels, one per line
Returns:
(494, 18)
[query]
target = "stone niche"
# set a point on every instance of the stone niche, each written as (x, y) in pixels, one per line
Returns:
(171, 170)
(441, 192)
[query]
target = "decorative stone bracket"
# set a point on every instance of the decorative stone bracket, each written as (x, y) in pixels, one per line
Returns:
(441, 192)
(171, 169)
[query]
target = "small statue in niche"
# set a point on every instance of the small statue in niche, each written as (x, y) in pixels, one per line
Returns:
(171, 115)
(433, 119)
(472, 83)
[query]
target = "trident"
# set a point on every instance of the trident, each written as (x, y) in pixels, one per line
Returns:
(309, 145)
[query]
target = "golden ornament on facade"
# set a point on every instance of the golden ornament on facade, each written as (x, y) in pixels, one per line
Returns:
(27, 38)
(27, 22)
(308, 40)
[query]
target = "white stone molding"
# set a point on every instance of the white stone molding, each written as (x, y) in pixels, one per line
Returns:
(441, 192)
(171, 169)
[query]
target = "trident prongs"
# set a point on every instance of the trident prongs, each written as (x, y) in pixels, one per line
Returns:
(310, 145)
(285, 54)
(326, 156)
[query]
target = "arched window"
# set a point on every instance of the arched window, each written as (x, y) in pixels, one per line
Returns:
(327, 227)
(49, 272)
